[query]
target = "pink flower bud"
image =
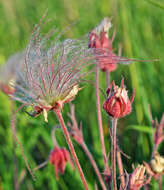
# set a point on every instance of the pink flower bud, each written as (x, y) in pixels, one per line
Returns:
(59, 157)
(138, 178)
(118, 104)
(98, 38)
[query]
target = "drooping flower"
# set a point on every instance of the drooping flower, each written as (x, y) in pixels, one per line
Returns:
(99, 39)
(59, 157)
(117, 104)
(138, 178)
(8, 72)
(52, 72)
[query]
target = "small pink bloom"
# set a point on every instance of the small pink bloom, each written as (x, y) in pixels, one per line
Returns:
(118, 104)
(59, 157)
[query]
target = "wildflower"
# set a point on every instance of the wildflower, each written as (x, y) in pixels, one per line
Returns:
(118, 104)
(99, 39)
(138, 178)
(59, 157)
(9, 71)
(157, 163)
(156, 166)
(52, 72)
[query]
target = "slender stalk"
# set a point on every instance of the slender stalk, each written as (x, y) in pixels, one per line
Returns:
(120, 167)
(78, 133)
(69, 142)
(146, 187)
(99, 115)
(13, 117)
(21, 178)
(40, 165)
(14, 145)
(113, 161)
(107, 75)
(92, 161)
(55, 143)
(160, 182)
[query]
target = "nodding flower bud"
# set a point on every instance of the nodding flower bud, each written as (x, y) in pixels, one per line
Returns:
(118, 104)
(59, 157)
(99, 39)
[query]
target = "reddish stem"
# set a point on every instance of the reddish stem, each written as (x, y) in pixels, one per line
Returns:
(85, 148)
(69, 142)
(99, 115)
(160, 182)
(107, 74)
(113, 161)
(120, 167)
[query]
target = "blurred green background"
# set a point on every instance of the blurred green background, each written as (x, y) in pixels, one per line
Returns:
(140, 30)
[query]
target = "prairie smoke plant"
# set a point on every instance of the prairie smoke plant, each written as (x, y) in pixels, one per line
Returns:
(8, 72)
(51, 76)
(52, 72)
(118, 104)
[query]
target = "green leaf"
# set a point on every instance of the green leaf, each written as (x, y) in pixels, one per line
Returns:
(156, 3)
(141, 128)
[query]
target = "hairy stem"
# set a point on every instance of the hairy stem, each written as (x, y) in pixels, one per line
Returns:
(107, 75)
(99, 115)
(69, 142)
(85, 148)
(120, 167)
(113, 161)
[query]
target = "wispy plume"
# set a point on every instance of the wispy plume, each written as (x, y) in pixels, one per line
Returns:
(52, 71)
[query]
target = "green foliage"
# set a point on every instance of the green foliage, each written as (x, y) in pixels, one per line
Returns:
(140, 29)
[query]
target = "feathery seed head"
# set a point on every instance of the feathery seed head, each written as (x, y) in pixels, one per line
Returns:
(52, 72)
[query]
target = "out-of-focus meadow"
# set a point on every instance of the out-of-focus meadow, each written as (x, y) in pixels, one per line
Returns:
(140, 30)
